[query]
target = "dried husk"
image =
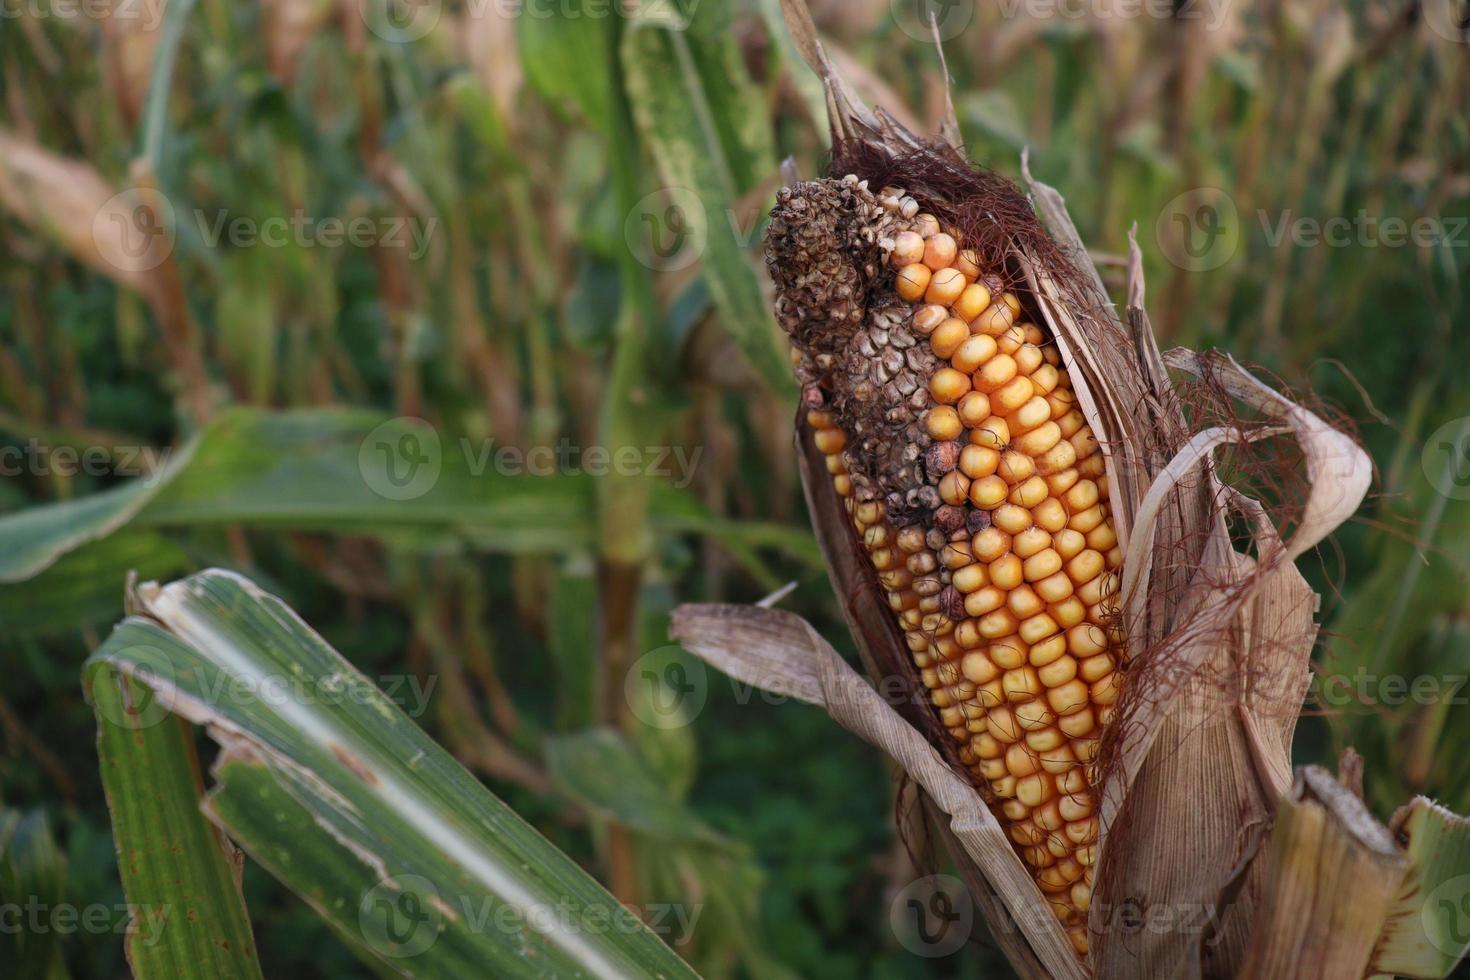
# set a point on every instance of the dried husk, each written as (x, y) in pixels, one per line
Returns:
(1219, 640)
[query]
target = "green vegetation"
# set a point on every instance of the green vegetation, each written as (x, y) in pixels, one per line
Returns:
(542, 230)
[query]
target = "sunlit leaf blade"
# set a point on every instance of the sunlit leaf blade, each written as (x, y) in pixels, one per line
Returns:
(180, 876)
(432, 841)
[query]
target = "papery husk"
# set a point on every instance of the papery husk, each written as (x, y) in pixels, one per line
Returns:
(1219, 642)
(1334, 873)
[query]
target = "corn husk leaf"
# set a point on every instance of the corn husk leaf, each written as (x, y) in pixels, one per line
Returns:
(1427, 930)
(1333, 873)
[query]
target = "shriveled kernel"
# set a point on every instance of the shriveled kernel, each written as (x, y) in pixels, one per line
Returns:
(912, 280)
(945, 286)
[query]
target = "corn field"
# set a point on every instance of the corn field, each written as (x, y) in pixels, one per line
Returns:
(734, 488)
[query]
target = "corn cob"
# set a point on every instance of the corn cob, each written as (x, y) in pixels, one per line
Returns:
(950, 429)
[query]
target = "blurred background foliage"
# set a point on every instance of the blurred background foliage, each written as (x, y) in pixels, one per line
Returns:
(588, 181)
